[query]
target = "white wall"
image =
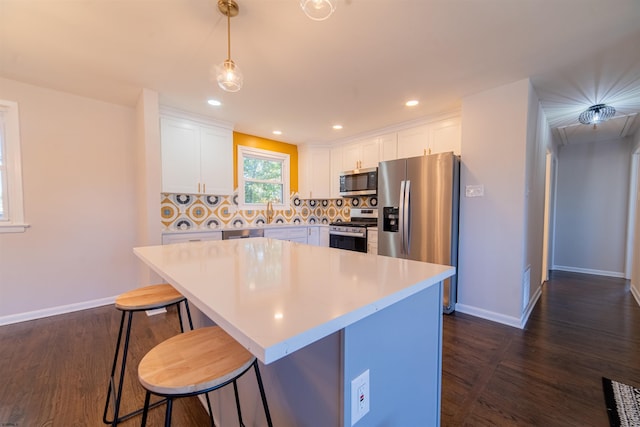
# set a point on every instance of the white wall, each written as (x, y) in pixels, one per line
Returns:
(492, 228)
(592, 207)
(78, 165)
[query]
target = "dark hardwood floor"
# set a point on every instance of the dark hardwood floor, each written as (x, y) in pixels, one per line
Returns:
(53, 371)
(549, 374)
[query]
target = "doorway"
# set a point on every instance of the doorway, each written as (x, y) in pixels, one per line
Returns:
(548, 208)
(634, 199)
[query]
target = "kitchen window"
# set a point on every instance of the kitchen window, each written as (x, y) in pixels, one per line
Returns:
(263, 177)
(11, 205)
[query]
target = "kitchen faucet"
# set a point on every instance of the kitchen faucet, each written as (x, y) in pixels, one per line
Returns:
(269, 212)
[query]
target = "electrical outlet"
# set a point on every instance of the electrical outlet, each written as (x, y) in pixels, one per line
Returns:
(155, 311)
(360, 396)
(474, 191)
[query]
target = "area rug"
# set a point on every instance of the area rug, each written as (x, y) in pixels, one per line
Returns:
(623, 403)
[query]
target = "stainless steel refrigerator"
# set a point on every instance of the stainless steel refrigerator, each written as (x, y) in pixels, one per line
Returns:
(418, 202)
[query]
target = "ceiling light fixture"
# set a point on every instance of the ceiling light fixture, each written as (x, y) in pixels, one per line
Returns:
(337, 127)
(596, 114)
(412, 103)
(214, 102)
(228, 74)
(318, 10)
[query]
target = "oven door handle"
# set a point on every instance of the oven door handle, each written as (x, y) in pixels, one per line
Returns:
(346, 233)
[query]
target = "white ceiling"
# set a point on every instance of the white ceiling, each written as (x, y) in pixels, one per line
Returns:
(357, 68)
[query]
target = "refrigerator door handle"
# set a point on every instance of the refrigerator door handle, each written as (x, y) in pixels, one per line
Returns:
(401, 216)
(406, 229)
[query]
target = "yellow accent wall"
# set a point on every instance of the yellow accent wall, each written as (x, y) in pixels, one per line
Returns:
(266, 144)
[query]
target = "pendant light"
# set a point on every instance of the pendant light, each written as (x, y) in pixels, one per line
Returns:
(228, 74)
(318, 10)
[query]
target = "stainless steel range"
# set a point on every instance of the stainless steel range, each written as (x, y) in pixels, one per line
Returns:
(352, 235)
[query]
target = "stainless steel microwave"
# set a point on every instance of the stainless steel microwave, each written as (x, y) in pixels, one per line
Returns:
(359, 182)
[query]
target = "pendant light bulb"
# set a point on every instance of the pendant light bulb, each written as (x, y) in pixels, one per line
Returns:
(229, 76)
(318, 10)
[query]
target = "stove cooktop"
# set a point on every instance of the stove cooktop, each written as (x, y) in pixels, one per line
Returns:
(360, 217)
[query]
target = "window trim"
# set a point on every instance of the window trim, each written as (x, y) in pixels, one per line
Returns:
(246, 151)
(13, 169)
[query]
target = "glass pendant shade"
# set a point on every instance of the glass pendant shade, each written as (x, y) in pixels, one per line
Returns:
(596, 114)
(318, 10)
(229, 76)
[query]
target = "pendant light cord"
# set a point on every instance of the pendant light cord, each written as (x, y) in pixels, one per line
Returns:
(228, 32)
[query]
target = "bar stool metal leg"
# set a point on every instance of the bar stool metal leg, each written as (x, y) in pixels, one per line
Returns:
(262, 394)
(186, 307)
(235, 392)
(167, 417)
(213, 423)
(111, 391)
(145, 409)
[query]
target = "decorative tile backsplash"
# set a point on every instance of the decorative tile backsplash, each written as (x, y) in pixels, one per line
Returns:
(199, 212)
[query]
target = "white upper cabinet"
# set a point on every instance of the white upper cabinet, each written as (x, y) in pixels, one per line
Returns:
(362, 154)
(314, 172)
(388, 146)
(336, 169)
(436, 137)
(196, 158)
(413, 142)
(446, 135)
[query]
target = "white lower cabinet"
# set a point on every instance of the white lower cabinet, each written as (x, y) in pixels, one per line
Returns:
(292, 234)
(169, 238)
(313, 236)
(324, 236)
(318, 235)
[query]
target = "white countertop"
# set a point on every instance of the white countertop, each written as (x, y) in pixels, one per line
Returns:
(276, 297)
(244, 227)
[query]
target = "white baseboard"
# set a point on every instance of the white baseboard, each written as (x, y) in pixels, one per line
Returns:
(38, 314)
(501, 318)
(489, 315)
(617, 274)
(532, 303)
(635, 292)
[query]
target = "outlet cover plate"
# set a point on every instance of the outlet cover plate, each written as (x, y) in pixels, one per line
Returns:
(360, 397)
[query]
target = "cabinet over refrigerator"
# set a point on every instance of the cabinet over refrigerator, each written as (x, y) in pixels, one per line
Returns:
(418, 198)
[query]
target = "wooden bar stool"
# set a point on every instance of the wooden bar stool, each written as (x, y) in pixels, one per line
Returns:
(194, 363)
(141, 299)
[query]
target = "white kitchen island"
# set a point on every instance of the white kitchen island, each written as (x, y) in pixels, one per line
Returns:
(317, 318)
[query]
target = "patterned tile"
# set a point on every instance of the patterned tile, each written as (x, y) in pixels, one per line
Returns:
(180, 212)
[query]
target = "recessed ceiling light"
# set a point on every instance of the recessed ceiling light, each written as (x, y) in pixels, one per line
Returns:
(277, 132)
(214, 102)
(412, 103)
(337, 127)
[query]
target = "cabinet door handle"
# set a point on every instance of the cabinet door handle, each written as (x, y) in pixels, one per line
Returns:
(204, 188)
